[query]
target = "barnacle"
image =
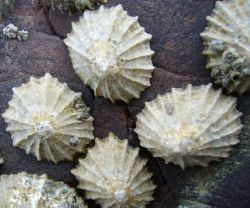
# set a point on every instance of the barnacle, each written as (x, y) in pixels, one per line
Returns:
(191, 126)
(114, 175)
(33, 191)
(226, 41)
(10, 31)
(23, 35)
(47, 119)
(72, 6)
(111, 53)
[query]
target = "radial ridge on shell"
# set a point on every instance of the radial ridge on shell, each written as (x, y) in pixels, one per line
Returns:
(227, 45)
(191, 126)
(49, 120)
(110, 52)
(114, 175)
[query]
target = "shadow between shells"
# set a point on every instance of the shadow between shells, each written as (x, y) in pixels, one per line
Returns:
(164, 197)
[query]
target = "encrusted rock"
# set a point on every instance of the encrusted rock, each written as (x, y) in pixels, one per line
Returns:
(72, 6)
(6, 5)
(24, 190)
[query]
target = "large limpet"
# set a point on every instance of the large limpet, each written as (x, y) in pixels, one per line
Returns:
(47, 119)
(114, 175)
(111, 53)
(191, 126)
(33, 191)
(227, 45)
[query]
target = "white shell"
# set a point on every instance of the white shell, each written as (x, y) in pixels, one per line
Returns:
(201, 126)
(33, 191)
(47, 119)
(227, 45)
(111, 53)
(113, 174)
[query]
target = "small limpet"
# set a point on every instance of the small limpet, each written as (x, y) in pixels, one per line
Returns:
(6, 5)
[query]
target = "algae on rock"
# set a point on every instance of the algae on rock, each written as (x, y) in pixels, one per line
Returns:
(72, 6)
(6, 6)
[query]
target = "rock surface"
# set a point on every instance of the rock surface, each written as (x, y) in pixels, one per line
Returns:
(175, 26)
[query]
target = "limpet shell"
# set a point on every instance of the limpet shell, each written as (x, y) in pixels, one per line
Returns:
(47, 119)
(227, 45)
(114, 175)
(202, 125)
(111, 53)
(33, 191)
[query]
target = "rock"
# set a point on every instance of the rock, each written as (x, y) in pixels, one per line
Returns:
(56, 18)
(175, 26)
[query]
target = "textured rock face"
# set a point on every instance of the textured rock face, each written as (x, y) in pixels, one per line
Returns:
(34, 191)
(120, 179)
(175, 26)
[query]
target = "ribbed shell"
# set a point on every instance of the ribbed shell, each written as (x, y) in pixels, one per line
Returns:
(227, 45)
(114, 175)
(24, 190)
(111, 53)
(191, 126)
(47, 119)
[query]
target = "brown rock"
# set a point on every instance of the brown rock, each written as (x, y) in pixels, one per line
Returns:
(175, 26)
(61, 22)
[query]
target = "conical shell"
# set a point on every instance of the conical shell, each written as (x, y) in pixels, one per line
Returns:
(24, 190)
(111, 53)
(47, 119)
(227, 45)
(191, 126)
(114, 175)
